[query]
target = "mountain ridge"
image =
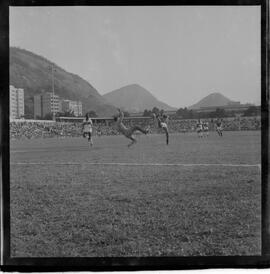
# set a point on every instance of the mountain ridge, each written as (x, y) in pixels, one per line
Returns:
(31, 72)
(134, 98)
(214, 99)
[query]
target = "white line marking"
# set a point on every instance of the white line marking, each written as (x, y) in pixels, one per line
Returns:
(25, 151)
(134, 164)
(39, 150)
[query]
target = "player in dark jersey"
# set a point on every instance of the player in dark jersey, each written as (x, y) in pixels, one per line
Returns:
(87, 128)
(219, 127)
(199, 128)
(205, 129)
(162, 121)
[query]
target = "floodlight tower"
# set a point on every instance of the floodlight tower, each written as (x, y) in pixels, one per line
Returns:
(53, 102)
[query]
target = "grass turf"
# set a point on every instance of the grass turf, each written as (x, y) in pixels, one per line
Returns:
(83, 210)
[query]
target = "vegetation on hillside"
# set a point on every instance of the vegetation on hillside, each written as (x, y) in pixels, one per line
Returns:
(33, 73)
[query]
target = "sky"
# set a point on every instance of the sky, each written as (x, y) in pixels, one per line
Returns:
(179, 53)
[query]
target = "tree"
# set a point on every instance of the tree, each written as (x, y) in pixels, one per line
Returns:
(191, 114)
(185, 113)
(92, 113)
(218, 113)
(59, 114)
(65, 114)
(126, 114)
(251, 111)
(48, 116)
(179, 112)
(155, 110)
(147, 113)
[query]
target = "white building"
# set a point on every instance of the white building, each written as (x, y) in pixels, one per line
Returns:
(72, 106)
(46, 103)
(50, 103)
(16, 102)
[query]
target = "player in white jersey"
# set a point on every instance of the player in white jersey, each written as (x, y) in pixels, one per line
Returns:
(88, 128)
(162, 121)
(127, 132)
(199, 129)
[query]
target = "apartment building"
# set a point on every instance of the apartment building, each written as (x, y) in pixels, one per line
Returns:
(16, 102)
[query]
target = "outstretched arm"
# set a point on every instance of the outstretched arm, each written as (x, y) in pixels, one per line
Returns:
(121, 115)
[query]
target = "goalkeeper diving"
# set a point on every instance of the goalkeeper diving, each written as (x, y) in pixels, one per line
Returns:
(127, 132)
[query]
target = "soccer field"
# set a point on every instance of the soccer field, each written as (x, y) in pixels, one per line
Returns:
(194, 197)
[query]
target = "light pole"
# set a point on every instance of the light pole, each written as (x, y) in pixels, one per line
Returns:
(53, 102)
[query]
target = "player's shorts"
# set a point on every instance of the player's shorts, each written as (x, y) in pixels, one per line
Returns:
(87, 133)
(199, 129)
(163, 125)
(205, 129)
(87, 130)
(128, 133)
(219, 128)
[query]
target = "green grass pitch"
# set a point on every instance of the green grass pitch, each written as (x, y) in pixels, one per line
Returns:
(68, 199)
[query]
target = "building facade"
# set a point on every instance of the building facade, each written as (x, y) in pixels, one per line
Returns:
(37, 106)
(47, 103)
(72, 106)
(16, 102)
(50, 103)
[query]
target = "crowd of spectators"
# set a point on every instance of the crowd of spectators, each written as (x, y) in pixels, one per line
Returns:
(30, 130)
(228, 124)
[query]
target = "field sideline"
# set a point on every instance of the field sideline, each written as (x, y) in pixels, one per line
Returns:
(193, 197)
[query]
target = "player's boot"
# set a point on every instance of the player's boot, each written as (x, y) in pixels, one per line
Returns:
(132, 143)
(147, 130)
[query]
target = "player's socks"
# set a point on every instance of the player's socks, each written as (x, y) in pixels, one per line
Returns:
(90, 142)
(132, 143)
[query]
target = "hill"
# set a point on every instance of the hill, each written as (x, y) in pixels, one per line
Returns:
(32, 73)
(212, 100)
(134, 98)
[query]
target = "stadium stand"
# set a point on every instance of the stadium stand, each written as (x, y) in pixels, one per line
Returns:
(31, 129)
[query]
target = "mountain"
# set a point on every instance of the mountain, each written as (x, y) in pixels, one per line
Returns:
(212, 100)
(32, 73)
(134, 98)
